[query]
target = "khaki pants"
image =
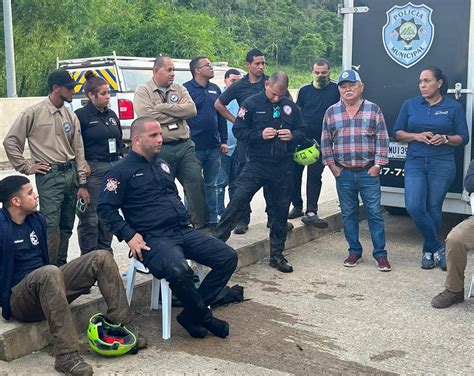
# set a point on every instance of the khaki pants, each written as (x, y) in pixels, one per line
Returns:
(46, 293)
(458, 242)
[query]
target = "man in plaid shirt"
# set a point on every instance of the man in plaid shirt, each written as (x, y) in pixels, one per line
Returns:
(354, 145)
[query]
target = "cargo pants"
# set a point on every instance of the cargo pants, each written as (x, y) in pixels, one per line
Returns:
(46, 292)
(57, 198)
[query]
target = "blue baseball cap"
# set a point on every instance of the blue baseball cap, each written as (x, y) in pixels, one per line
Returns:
(349, 75)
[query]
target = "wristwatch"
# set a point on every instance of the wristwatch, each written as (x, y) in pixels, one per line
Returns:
(446, 139)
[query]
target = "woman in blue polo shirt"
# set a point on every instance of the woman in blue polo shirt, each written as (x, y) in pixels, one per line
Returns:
(433, 125)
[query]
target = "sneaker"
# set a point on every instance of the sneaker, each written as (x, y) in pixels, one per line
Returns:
(427, 261)
(382, 264)
(295, 213)
(314, 220)
(241, 228)
(447, 299)
(352, 260)
(440, 259)
(72, 364)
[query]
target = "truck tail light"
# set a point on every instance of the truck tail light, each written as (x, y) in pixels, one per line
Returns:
(125, 109)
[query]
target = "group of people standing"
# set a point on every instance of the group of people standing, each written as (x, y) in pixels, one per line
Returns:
(243, 137)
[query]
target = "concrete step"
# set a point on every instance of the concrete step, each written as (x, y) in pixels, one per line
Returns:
(19, 339)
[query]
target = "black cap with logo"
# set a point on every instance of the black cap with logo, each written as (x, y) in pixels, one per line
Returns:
(61, 77)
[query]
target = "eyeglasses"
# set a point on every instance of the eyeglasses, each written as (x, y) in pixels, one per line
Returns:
(209, 65)
(81, 205)
(276, 112)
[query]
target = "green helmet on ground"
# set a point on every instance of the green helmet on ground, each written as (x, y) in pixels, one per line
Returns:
(307, 154)
(109, 339)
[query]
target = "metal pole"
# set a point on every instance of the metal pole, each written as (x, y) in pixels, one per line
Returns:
(9, 49)
(348, 22)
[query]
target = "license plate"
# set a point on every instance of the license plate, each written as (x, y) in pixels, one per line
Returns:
(397, 150)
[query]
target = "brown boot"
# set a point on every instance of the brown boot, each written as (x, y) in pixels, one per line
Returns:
(72, 364)
(142, 342)
(447, 299)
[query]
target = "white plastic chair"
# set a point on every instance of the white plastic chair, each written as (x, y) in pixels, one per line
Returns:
(156, 285)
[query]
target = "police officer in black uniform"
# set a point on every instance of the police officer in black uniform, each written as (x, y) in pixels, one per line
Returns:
(102, 138)
(271, 125)
(158, 229)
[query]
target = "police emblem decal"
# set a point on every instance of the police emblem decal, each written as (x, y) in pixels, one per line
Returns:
(165, 167)
(287, 110)
(34, 238)
(112, 185)
(67, 127)
(174, 98)
(242, 112)
(408, 34)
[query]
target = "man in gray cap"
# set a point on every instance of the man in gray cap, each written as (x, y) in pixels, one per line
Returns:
(354, 145)
(57, 153)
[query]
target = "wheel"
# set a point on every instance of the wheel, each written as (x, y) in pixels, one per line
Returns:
(395, 210)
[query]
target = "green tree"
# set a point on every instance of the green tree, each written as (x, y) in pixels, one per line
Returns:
(309, 48)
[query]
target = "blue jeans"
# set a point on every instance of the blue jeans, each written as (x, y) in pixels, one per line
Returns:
(211, 163)
(349, 185)
(427, 180)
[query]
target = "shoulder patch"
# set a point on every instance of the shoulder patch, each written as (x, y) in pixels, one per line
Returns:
(112, 185)
(165, 167)
(242, 112)
(287, 109)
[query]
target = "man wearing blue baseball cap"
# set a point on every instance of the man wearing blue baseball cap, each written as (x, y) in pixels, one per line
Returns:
(354, 145)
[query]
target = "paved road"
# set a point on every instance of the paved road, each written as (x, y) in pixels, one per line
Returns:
(321, 319)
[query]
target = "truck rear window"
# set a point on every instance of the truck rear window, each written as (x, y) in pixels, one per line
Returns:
(136, 77)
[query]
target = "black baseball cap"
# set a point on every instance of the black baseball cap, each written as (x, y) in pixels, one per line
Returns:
(61, 77)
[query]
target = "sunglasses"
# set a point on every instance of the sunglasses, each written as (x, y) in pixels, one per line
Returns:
(81, 205)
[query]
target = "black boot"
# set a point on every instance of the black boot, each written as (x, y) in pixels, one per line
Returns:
(219, 328)
(194, 329)
(279, 262)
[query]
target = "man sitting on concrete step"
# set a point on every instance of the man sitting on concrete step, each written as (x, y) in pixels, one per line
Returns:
(31, 290)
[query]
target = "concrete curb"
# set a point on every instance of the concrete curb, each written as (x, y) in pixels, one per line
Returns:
(19, 339)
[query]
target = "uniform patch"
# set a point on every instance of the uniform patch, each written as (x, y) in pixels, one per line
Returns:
(242, 112)
(112, 185)
(113, 121)
(408, 33)
(165, 167)
(174, 98)
(287, 109)
(67, 127)
(34, 238)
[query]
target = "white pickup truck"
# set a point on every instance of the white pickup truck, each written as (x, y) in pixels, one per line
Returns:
(124, 74)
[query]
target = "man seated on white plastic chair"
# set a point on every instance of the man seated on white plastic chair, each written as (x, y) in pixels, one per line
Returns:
(458, 242)
(159, 232)
(31, 290)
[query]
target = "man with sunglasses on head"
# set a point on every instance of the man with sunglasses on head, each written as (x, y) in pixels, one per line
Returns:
(271, 125)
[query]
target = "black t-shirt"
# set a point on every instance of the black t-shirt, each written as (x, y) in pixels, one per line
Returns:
(98, 127)
(27, 252)
(314, 103)
(241, 90)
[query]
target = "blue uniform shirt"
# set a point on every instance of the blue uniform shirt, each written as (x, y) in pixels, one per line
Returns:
(446, 117)
(145, 192)
(208, 127)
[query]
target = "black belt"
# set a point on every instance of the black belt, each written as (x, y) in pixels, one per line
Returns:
(61, 167)
(356, 169)
(112, 158)
(175, 142)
